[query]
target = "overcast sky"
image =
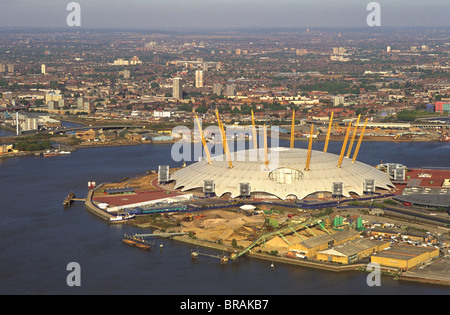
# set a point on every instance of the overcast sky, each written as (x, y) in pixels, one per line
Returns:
(222, 13)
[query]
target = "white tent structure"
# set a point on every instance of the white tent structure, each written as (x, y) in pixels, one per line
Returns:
(284, 176)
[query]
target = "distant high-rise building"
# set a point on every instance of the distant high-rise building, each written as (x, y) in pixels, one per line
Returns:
(198, 78)
(338, 100)
(388, 49)
(150, 45)
(238, 51)
(80, 103)
(338, 50)
(10, 67)
(43, 70)
(52, 96)
(2, 67)
(52, 104)
(230, 90)
(88, 107)
(177, 92)
(61, 103)
(217, 88)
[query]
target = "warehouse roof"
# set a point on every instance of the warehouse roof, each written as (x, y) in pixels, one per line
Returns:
(353, 247)
(404, 252)
(435, 200)
(326, 238)
(285, 175)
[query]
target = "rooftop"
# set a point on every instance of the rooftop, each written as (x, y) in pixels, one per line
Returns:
(404, 252)
(284, 176)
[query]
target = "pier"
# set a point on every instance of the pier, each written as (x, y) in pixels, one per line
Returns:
(162, 234)
(70, 199)
(223, 258)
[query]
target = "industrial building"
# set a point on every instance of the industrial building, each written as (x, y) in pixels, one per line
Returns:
(405, 257)
(312, 246)
(414, 236)
(352, 251)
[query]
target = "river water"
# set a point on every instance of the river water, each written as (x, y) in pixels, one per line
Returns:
(40, 238)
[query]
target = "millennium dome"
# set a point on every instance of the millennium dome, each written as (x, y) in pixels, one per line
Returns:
(280, 173)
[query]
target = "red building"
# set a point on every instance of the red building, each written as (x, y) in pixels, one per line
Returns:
(441, 107)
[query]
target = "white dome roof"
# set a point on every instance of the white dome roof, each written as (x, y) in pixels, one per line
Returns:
(286, 174)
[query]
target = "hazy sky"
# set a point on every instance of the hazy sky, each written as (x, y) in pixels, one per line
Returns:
(222, 13)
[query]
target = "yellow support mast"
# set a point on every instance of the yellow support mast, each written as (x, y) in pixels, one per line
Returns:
(266, 150)
(255, 137)
(224, 140)
(293, 128)
(222, 134)
(341, 157)
(203, 140)
(308, 156)
(355, 154)
(353, 137)
(325, 148)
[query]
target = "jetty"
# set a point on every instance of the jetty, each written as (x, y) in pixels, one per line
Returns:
(223, 258)
(70, 199)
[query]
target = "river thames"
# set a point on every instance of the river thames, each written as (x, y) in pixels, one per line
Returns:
(40, 238)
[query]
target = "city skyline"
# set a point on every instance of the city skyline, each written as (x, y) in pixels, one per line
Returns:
(139, 14)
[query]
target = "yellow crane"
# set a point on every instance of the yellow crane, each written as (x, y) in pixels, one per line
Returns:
(224, 140)
(325, 148)
(293, 128)
(203, 140)
(255, 137)
(355, 154)
(308, 156)
(266, 150)
(353, 136)
(341, 156)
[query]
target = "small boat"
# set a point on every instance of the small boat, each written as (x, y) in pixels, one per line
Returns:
(136, 242)
(55, 153)
(143, 245)
(129, 241)
(121, 218)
